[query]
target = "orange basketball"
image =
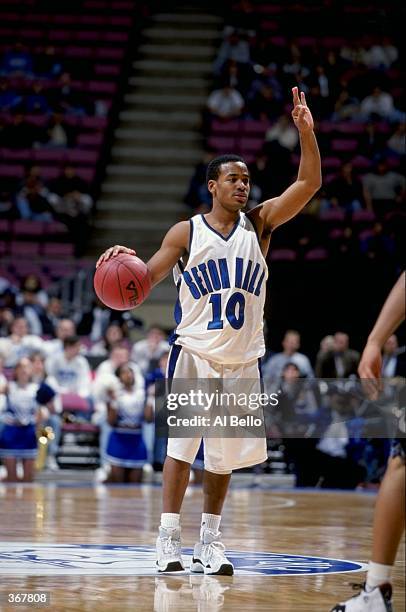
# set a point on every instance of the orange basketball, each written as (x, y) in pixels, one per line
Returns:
(122, 282)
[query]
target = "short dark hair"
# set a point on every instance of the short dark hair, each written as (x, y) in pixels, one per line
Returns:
(70, 341)
(214, 167)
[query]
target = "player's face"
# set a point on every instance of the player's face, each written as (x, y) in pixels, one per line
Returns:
(232, 186)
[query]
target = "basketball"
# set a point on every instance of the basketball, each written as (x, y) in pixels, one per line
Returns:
(123, 282)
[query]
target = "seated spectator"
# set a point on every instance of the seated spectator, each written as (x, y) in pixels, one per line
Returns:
(346, 190)
(239, 76)
(126, 449)
(160, 443)
(396, 142)
(384, 190)
(377, 244)
(70, 369)
(225, 103)
(21, 415)
(8, 207)
(72, 204)
(272, 370)
(345, 107)
(284, 133)
(340, 362)
(52, 418)
(17, 61)
(20, 343)
(379, 104)
(65, 328)
(393, 358)
(67, 99)
(58, 132)
(372, 141)
(47, 64)
(53, 315)
(112, 337)
(30, 307)
(264, 106)
(34, 200)
(94, 322)
(381, 55)
(36, 101)
(9, 99)
(234, 47)
(198, 197)
(146, 353)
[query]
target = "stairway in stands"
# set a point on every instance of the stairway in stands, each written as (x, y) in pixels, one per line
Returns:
(157, 142)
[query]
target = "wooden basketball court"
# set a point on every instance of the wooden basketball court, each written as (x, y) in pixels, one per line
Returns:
(327, 525)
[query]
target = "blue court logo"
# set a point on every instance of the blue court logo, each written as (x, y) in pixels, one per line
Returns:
(91, 559)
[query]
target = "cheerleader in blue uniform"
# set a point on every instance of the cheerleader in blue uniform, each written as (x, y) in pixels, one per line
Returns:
(23, 399)
(126, 450)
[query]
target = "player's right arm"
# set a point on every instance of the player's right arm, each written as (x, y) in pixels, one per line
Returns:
(389, 319)
(173, 247)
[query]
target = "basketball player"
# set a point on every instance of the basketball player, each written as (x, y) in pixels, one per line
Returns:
(221, 272)
(389, 519)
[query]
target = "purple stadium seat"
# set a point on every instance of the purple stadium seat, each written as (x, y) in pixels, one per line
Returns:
(336, 233)
(331, 162)
(49, 155)
(49, 173)
(11, 170)
(24, 249)
(79, 52)
(347, 145)
(348, 127)
(87, 174)
(71, 401)
(109, 53)
(96, 123)
(332, 215)
(318, 254)
(254, 126)
(251, 144)
(60, 35)
(221, 143)
(362, 216)
(5, 226)
(90, 140)
(88, 36)
(107, 70)
(64, 19)
(283, 255)
(230, 126)
(365, 234)
(118, 37)
(123, 22)
(81, 157)
(23, 268)
(33, 34)
(102, 87)
(57, 249)
(27, 228)
(55, 228)
(3, 251)
(361, 163)
(15, 154)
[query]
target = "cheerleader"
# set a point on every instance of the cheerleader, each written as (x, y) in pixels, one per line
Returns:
(126, 450)
(22, 401)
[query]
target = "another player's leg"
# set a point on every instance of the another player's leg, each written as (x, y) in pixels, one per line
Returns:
(10, 463)
(389, 522)
(175, 479)
(209, 553)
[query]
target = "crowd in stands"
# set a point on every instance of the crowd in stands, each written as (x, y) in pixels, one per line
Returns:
(110, 379)
(353, 87)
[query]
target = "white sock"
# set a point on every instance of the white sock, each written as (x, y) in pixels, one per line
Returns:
(170, 520)
(210, 521)
(377, 574)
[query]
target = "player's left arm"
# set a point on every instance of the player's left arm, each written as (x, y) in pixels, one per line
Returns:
(276, 211)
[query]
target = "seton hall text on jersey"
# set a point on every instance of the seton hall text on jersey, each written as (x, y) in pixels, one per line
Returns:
(216, 274)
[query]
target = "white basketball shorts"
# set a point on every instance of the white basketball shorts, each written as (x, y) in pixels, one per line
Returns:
(221, 455)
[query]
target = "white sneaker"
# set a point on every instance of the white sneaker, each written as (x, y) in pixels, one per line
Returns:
(209, 557)
(168, 551)
(51, 463)
(377, 600)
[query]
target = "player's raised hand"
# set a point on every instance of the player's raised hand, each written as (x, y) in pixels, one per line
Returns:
(112, 252)
(301, 114)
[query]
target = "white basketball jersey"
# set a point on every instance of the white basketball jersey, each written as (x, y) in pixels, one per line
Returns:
(222, 293)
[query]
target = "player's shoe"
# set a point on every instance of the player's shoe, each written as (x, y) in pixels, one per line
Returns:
(378, 599)
(209, 557)
(168, 551)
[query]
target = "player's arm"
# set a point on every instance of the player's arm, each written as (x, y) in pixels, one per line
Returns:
(276, 211)
(389, 319)
(173, 247)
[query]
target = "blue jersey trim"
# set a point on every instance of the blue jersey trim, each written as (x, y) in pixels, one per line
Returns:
(173, 358)
(237, 223)
(190, 235)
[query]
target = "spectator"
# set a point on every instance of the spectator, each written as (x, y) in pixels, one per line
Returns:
(384, 190)
(8, 208)
(379, 104)
(381, 56)
(95, 321)
(70, 369)
(340, 362)
(346, 191)
(264, 105)
(112, 337)
(234, 47)
(346, 106)
(17, 61)
(36, 101)
(396, 142)
(19, 343)
(198, 197)
(284, 133)
(147, 352)
(22, 413)
(225, 103)
(394, 358)
(30, 307)
(53, 316)
(58, 132)
(9, 99)
(68, 99)
(34, 200)
(64, 329)
(160, 443)
(126, 450)
(272, 369)
(47, 64)
(372, 141)
(49, 418)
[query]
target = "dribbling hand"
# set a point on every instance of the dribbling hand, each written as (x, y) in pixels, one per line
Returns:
(112, 252)
(301, 114)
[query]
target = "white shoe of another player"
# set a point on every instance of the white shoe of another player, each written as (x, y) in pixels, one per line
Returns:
(168, 551)
(209, 557)
(377, 600)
